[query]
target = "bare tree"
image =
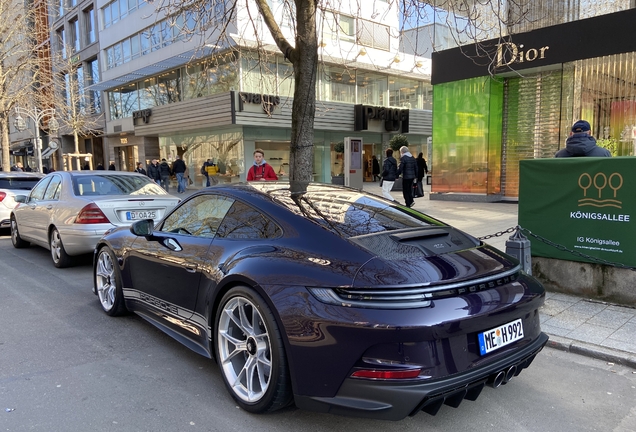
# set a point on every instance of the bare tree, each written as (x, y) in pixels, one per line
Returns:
(74, 105)
(17, 72)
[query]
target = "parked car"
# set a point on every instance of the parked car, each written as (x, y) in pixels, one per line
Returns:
(67, 212)
(335, 299)
(11, 184)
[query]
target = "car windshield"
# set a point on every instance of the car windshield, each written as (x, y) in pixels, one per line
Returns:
(115, 184)
(18, 183)
(350, 213)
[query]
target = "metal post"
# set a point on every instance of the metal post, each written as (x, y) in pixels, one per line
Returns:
(518, 246)
(38, 147)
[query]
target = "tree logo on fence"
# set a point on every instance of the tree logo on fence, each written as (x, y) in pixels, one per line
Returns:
(602, 185)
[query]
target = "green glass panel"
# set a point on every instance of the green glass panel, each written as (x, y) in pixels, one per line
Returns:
(467, 135)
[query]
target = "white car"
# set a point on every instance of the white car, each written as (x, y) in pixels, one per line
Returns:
(11, 184)
(67, 212)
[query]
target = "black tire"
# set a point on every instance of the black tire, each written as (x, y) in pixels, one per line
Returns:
(107, 283)
(263, 344)
(58, 254)
(17, 241)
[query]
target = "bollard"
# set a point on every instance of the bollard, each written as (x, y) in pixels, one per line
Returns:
(518, 246)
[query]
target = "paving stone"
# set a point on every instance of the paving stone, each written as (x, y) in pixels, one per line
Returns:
(587, 308)
(590, 333)
(626, 333)
(556, 331)
(567, 320)
(565, 298)
(554, 307)
(610, 318)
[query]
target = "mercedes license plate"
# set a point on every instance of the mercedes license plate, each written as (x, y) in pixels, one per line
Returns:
(138, 215)
(500, 336)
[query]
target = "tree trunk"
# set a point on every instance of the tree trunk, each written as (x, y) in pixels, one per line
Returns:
(304, 57)
(6, 144)
(78, 163)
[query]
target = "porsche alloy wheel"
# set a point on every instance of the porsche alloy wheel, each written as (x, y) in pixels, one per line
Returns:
(108, 283)
(60, 258)
(250, 352)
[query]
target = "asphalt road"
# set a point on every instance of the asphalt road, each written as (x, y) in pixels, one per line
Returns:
(66, 366)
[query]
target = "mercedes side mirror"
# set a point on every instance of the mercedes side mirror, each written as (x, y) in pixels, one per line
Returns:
(20, 198)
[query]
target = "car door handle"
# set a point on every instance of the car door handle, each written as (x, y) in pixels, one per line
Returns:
(191, 268)
(49, 207)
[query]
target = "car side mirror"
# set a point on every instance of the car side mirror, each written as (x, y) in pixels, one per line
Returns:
(143, 228)
(21, 198)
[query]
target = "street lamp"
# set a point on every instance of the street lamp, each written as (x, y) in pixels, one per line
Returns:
(37, 115)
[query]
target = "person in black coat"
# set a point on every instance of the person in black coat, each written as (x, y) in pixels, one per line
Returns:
(112, 167)
(154, 172)
(389, 174)
(422, 170)
(376, 168)
(140, 169)
(165, 172)
(408, 171)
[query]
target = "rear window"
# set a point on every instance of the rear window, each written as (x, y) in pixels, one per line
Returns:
(350, 213)
(19, 183)
(114, 184)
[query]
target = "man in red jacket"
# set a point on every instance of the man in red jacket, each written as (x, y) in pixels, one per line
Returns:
(261, 170)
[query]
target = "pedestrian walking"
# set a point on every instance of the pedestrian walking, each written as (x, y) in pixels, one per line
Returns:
(376, 168)
(179, 169)
(209, 170)
(154, 172)
(408, 171)
(582, 143)
(164, 173)
(389, 174)
(422, 170)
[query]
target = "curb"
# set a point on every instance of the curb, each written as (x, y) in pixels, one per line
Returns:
(593, 351)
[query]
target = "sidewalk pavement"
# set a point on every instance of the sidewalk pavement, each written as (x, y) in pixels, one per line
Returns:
(575, 324)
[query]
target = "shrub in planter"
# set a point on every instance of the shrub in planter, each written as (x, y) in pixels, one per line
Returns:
(398, 141)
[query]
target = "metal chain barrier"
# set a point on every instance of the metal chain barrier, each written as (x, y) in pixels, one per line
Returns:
(499, 234)
(558, 246)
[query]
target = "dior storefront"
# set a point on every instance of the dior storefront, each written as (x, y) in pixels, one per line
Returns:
(543, 81)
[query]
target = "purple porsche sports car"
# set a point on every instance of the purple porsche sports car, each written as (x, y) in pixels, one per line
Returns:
(333, 299)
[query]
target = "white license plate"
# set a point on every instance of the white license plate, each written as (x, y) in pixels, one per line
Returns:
(500, 336)
(138, 215)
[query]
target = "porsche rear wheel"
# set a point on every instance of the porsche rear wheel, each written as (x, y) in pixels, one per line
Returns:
(15, 236)
(107, 280)
(250, 352)
(60, 258)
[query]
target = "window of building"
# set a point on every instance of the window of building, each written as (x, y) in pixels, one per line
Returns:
(61, 41)
(408, 93)
(223, 74)
(374, 35)
(195, 83)
(339, 27)
(70, 4)
(92, 75)
(338, 84)
(58, 9)
(89, 26)
(259, 75)
(74, 40)
(372, 88)
(169, 85)
(148, 93)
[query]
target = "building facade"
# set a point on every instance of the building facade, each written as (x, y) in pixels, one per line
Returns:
(169, 92)
(516, 98)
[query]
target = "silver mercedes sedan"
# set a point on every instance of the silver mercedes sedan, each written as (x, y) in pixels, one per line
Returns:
(67, 212)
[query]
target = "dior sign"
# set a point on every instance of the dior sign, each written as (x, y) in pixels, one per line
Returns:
(509, 52)
(394, 118)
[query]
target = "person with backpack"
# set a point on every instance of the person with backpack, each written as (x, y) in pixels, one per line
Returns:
(261, 170)
(209, 170)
